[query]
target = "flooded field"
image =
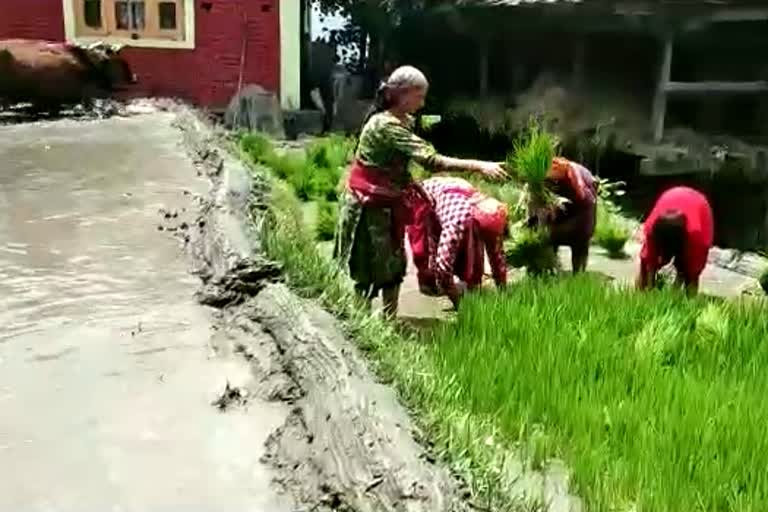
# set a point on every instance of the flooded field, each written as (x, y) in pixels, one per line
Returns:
(106, 368)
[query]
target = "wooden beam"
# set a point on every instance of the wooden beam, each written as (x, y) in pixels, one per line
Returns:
(726, 16)
(660, 98)
(716, 87)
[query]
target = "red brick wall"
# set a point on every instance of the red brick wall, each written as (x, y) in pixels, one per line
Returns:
(209, 74)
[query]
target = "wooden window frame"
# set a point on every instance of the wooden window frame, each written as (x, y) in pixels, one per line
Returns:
(152, 36)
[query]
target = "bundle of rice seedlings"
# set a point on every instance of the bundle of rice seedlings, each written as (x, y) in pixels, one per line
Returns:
(530, 248)
(530, 161)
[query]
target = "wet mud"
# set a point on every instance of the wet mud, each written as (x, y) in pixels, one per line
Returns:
(108, 364)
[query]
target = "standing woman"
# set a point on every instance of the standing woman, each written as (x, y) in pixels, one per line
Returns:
(370, 238)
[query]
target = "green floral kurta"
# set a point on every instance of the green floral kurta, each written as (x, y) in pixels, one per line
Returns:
(363, 236)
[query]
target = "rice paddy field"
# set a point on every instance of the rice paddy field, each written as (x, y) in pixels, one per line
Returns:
(653, 401)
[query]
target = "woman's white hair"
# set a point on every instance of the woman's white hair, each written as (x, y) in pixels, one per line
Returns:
(406, 77)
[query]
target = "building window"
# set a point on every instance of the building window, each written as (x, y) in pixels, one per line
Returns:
(92, 13)
(129, 15)
(148, 23)
(167, 15)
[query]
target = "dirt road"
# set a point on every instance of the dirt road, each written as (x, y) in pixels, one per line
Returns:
(106, 367)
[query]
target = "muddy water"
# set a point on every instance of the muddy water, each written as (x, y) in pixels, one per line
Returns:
(106, 374)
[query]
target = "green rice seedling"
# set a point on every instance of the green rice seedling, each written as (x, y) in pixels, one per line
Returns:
(666, 278)
(531, 160)
(257, 146)
(325, 183)
(655, 340)
(308, 180)
(620, 389)
(329, 157)
(327, 217)
(531, 249)
(713, 326)
(331, 152)
(303, 181)
(288, 164)
(612, 232)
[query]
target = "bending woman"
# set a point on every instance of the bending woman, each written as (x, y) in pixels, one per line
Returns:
(370, 237)
(681, 228)
(573, 224)
(450, 235)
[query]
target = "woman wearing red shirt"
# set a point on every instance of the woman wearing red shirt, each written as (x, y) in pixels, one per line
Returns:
(679, 227)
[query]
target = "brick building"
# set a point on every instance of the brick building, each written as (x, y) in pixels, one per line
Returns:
(197, 50)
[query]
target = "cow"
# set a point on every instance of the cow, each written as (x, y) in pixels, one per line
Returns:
(51, 75)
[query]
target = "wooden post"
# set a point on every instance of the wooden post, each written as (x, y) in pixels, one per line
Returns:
(660, 98)
(483, 68)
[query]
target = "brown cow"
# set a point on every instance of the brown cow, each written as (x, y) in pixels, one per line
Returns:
(50, 75)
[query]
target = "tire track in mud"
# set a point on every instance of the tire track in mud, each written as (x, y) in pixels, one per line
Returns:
(348, 443)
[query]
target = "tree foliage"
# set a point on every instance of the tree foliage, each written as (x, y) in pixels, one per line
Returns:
(377, 19)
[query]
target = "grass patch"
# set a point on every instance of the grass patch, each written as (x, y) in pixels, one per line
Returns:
(327, 218)
(654, 401)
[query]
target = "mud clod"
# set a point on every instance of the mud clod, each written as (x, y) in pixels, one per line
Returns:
(232, 396)
(245, 280)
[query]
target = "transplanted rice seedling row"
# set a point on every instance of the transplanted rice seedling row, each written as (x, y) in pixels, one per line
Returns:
(654, 401)
(315, 173)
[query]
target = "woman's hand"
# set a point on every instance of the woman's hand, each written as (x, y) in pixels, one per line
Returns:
(492, 170)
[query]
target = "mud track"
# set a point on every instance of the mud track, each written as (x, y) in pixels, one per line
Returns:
(348, 443)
